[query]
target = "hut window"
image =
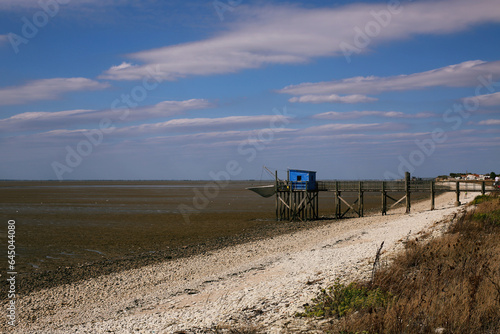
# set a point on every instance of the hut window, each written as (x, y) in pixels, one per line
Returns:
(299, 178)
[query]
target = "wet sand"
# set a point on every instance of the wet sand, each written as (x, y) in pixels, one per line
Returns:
(69, 231)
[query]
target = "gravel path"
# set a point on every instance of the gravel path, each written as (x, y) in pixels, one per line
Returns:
(262, 283)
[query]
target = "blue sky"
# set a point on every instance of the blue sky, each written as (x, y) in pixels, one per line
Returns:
(118, 89)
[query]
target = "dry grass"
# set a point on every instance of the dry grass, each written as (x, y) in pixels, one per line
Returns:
(450, 284)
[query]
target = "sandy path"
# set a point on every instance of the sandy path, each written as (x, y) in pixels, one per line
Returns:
(262, 283)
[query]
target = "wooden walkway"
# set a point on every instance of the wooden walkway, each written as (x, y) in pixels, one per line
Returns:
(294, 204)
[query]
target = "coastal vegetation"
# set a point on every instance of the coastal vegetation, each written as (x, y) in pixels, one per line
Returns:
(448, 284)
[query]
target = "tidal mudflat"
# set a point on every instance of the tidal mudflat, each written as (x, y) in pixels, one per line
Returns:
(68, 231)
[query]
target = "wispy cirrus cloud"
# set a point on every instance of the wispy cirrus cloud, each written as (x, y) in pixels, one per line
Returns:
(227, 137)
(169, 108)
(289, 35)
(30, 121)
(335, 115)
(489, 99)
(176, 127)
(335, 128)
(15, 5)
(333, 98)
(490, 122)
(46, 89)
(197, 124)
(3, 39)
(460, 75)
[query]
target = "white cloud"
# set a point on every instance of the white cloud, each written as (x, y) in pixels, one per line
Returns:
(227, 138)
(289, 34)
(46, 89)
(3, 39)
(489, 99)
(48, 120)
(178, 131)
(168, 109)
(335, 128)
(193, 124)
(121, 66)
(459, 75)
(41, 120)
(356, 98)
(14, 5)
(335, 115)
(490, 122)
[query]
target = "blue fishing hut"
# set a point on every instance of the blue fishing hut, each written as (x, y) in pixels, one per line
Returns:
(302, 179)
(297, 197)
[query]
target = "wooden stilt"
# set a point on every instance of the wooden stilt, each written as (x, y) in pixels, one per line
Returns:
(304, 212)
(407, 190)
(337, 201)
(317, 205)
(457, 190)
(360, 200)
(433, 195)
(384, 200)
(277, 194)
(301, 203)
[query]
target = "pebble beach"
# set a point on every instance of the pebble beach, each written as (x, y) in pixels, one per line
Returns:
(258, 284)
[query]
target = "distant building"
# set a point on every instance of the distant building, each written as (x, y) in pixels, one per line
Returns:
(467, 176)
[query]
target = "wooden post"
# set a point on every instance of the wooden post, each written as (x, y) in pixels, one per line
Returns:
(483, 187)
(337, 200)
(407, 190)
(317, 205)
(433, 195)
(299, 200)
(277, 196)
(384, 200)
(306, 205)
(287, 208)
(310, 206)
(302, 196)
(306, 201)
(296, 205)
(281, 206)
(289, 213)
(457, 189)
(360, 199)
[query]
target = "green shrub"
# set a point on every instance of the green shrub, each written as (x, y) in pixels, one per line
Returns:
(480, 199)
(340, 300)
(492, 217)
